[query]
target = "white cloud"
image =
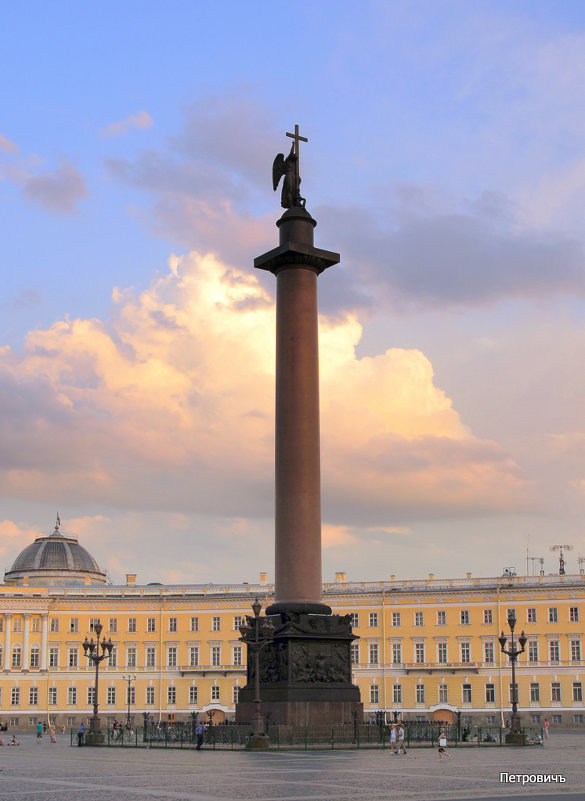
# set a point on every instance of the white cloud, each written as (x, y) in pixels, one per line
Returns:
(140, 120)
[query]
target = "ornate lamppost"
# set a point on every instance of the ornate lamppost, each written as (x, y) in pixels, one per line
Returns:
(257, 634)
(92, 652)
(515, 735)
(128, 679)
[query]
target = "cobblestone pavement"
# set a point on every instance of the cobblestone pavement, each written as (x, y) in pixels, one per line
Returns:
(52, 772)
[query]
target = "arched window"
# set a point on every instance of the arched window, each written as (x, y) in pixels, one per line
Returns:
(35, 654)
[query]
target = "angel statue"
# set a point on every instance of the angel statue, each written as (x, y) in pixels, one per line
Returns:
(291, 185)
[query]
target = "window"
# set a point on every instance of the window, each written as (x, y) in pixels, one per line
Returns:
(17, 624)
(216, 623)
(355, 620)
(575, 650)
(73, 625)
(192, 694)
(490, 693)
(172, 656)
(441, 617)
(373, 620)
(395, 618)
(555, 691)
(150, 656)
(130, 695)
(418, 619)
(354, 650)
(113, 657)
(578, 720)
(150, 624)
(397, 693)
(531, 615)
(442, 653)
(171, 695)
(194, 624)
(90, 696)
(52, 696)
(113, 625)
(216, 655)
(466, 652)
(554, 650)
(465, 617)
(73, 658)
(556, 720)
(466, 693)
(150, 695)
(132, 625)
(193, 656)
(238, 621)
(535, 693)
(374, 694)
(93, 622)
(573, 614)
(236, 694)
(35, 624)
(131, 656)
(53, 657)
(577, 691)
(533, 651)
(553, 614)
(215, 692)
(33, 696)
(443, 694)
(172, 624)
(15, 696)
(488, 653)
(419, 653)
(111, 696)
(72, 696)
(488, 616)
(396, 653)
(373, 651)
(420, 693)
(35, 656)
(237, 655)
(16, 657)
(54, 625)
(535, 718)
(490, 720)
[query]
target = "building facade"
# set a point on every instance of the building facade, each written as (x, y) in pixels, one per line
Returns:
(427, 649)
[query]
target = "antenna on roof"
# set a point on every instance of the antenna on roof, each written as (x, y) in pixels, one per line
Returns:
(560, 549)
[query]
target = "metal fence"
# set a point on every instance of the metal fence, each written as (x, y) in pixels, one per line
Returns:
(418, 734)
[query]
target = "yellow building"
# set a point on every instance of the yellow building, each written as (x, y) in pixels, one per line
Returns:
(427, 648)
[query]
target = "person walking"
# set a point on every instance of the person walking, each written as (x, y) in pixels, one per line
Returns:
(200, 734)
(443, 745)
(39, 732)
(393, 738)
(80, 735)
(52, 733)
(401, 748)
(546, 727)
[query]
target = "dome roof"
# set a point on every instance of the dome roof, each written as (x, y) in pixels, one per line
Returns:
(55, 556)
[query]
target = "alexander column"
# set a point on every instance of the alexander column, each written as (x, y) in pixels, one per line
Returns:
(305, 672)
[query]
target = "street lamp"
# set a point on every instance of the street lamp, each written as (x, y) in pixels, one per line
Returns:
(92, 651)
(257, 634)
(129, 679)
(513, 652)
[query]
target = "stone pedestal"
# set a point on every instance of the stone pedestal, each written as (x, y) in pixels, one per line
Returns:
(305, 673)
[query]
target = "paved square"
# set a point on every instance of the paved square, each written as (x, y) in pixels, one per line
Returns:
(51, 772)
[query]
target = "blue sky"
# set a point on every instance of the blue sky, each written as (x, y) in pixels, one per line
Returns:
(445, 162)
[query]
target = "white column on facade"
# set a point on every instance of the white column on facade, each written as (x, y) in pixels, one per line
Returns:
(44, 638)
(25, 641)
(7, 654)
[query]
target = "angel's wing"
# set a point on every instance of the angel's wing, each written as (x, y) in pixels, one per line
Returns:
(277, 170)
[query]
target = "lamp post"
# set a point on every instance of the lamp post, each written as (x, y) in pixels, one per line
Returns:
(128, 679)
(257, 634)
(515, 735)
(92, 651)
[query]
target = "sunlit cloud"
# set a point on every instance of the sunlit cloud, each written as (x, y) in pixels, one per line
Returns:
(6, 146)
(140, 120)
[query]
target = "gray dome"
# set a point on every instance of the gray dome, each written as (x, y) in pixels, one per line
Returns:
(52, 559)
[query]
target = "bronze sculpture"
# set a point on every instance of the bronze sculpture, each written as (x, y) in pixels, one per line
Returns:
(289, 168)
